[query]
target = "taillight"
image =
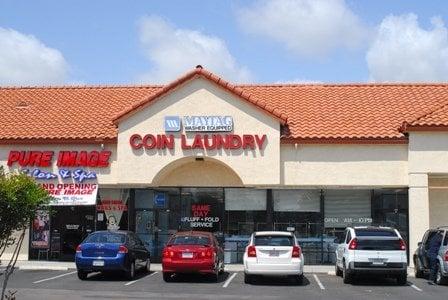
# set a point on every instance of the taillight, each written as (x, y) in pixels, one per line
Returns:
(353, 244)
(78, 249)
(167, 253)
(296, 251)
(402, 245)
(251, 251)
(122, 249)
(445, 258)
(207, 253)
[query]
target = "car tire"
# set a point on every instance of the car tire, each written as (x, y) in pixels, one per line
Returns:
(440, 279)
(130, 272)
(248, 279)
(148, 266)
(337, 271)
(167, 276)
(402, 279)
(221, 269)
(215, 276)
(82, 275)
(347, 277)
(418, 272)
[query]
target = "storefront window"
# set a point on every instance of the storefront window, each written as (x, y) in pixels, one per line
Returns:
(299, 211)
(245, 211)
(112, 209)
(202, 209)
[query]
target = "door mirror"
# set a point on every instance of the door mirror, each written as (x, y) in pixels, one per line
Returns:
(419, 244)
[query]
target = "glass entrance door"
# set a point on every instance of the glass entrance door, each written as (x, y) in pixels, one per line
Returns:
(156, 218)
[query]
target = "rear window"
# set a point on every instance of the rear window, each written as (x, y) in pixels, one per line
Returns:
(377, 244)
(375, 232)
(106, 237)
(273, 240)
(190, 240)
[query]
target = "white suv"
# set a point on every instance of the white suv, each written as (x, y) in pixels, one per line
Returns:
(372, 250)
(273, 253)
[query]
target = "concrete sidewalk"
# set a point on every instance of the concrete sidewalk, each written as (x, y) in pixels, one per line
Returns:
(63, 266)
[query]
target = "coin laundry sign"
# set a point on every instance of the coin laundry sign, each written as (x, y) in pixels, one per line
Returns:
(199, 123)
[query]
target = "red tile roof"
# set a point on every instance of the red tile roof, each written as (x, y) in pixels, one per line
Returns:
(321, 113)
(434, 120)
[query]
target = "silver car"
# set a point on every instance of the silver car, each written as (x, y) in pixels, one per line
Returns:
(421, 263)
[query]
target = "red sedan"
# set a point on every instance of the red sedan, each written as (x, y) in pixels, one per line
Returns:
(192, 252)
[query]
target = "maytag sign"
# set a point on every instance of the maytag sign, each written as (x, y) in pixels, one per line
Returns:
(199, 123)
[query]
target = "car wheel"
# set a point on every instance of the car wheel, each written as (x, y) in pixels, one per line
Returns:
(440, 279)
(82, 275)
(346, 276)
(337, 270)
(167, 276)
(402, 279)
(248, 279)
(130, 273)
(221, 268)
(148, 266)
(417, 270)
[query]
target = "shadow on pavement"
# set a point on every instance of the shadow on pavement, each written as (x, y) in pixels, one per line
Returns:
(115, 276)
(278, 281)
(190, 278)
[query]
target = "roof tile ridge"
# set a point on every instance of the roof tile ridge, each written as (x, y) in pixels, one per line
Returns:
(95, 86)
(348, 84)
(430, 113)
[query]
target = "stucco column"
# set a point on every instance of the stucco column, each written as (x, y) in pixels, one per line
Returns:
(418, 210)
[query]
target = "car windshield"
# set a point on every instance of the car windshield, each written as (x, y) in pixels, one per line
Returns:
(190, 240)
(273, 240)
(375, 232)
(106, 237)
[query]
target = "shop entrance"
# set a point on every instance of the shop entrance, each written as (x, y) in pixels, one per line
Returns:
(69, 226)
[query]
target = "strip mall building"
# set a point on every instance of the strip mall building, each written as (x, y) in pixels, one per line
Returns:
(202, 153)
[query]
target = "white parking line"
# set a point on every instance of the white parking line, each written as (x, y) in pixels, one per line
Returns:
(318, 282)
(55, 277)
(226, 284)
(415, 287)
(134, 281)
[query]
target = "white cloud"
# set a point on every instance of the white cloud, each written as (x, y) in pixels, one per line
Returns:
(173, 51)
(404, 51)
(24, 60)
(311, 28)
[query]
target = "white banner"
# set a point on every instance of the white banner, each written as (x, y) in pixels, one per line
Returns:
(72, 193)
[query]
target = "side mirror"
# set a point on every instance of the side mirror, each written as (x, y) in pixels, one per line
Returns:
(419, 244)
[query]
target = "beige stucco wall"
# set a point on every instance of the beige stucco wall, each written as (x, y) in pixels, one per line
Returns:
(438, 206)
(200, 97)
(428, 156)
(345, 165)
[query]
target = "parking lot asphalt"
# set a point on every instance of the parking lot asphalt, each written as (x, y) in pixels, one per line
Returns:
(65, 285)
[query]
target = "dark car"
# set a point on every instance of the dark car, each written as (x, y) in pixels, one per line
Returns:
(421, 261)
(104, 251)
(192, 252)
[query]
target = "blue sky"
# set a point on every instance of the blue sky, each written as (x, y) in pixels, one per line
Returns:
(116, 42)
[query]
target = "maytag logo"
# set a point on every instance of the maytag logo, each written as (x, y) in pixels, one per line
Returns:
(172, 123)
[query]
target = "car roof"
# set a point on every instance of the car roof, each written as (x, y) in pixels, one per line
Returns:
(285, 233)
(194, 232)
(113, 231)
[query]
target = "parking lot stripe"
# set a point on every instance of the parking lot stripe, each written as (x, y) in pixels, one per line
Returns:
(318, 282)
(55, 277)
(226, 284)
(134, 281)
(415, 287)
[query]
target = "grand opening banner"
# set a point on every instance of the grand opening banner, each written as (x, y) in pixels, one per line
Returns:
(72, 193)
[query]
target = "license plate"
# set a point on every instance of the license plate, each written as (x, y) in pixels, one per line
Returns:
(98, 263)
(274, 253)
(377, 261)
(187, 255)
